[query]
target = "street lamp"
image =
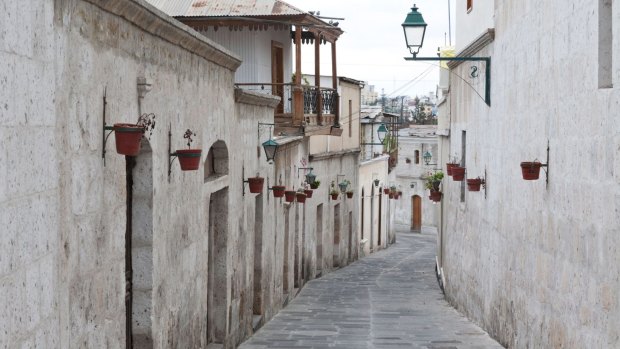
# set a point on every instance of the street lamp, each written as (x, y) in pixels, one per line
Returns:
(381, 132)
(415, 29)
(427, 157)
(270, 146)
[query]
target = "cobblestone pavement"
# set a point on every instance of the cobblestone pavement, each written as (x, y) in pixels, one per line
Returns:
(390, 299)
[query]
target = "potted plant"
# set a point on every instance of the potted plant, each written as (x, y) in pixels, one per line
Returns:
(308, 191)
(433, 181)
(450, 165)
(256, 184)
(315, 184)
(400, 193)
(334, 192)
(458, 173)
(473, 184)
(289, 195)
(350, 193)
(386, 190)
(128, 136)
(189, 158)
(301, 196)
(530, 170)
(278, 191)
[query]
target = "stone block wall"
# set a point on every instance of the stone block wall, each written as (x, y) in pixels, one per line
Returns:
(536, 264)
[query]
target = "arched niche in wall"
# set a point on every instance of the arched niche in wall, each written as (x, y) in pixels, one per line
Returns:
(216, 163)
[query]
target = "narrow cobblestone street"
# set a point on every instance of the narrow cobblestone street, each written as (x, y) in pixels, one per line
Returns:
(390, 299)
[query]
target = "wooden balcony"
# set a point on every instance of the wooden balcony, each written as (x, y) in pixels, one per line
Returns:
(303, 109)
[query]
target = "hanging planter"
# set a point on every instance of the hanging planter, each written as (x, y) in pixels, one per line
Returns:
(301, 197)
(458, 173)
(290, 195)
(189, 159)
(391, 195)
(350, 194)
(256, 184)
(308, 193)
(278, 191)
(531, 170)
(315, 184)
(334, 196)
(435, 195)
(386, 190)
(474, 184)
(450, 166)
(128, 136)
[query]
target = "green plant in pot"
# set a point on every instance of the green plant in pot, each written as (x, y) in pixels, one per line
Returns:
(315, 184)
(433, 181)
(333, 191)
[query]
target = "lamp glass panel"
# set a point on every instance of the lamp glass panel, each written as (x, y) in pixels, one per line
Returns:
(414, 36)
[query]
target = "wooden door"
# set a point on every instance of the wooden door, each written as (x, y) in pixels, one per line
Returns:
(416, 213)
(277, 73)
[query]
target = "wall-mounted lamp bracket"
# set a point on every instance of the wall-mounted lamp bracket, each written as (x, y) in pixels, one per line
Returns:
(487, 60)
(171, 156)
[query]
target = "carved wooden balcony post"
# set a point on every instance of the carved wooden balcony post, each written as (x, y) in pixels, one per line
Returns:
(298, 91)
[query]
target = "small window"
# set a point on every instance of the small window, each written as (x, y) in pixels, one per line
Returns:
(470, 4)
(417, 157)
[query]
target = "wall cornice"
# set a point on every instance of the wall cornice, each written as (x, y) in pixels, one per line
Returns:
(256, 98)
(157, 23)
(330, 155)
(481, 41)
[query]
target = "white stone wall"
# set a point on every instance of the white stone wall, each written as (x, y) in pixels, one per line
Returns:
(471, 24)
(407, 173)
(537, 264)
(369, 211)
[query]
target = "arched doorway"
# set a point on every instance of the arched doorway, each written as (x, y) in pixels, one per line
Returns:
(416, 213)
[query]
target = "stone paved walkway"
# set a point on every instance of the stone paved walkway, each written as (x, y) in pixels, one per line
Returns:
(387, 300)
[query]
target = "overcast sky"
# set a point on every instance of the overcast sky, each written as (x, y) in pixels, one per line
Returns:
(373, 45)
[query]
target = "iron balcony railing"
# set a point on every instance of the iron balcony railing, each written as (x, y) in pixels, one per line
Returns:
(319, 104)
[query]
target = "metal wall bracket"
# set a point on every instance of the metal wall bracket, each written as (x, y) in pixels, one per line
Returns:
(171, 156)
(105, 127)
(546, 166)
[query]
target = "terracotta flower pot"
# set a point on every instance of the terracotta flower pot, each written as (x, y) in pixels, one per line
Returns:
(256, 184)
(349, 194)
(474, 184)
(386, 190)
(127, 137)
(301, 197)
(391, 195)
(449, 167)
(458, 173)
(530, 170)
(308, 193)
(278, 191)
(334, 196)
(290, 195)
(189, 159)
(435, 196)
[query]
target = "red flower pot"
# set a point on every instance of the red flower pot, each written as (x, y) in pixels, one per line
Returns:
(349, 194)
(278, 191)
(474, 184)
(308, 193)
(334, 196)
(458, 173)
(449, 167)
(189, 159)
(127, 137)
(435, 196)
(290, 195)
(391, 195)
(256, 184)
(530, 170)
(301, 197)
(386, 190)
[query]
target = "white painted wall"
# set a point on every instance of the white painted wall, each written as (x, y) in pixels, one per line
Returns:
(537, 264)
(472, 24)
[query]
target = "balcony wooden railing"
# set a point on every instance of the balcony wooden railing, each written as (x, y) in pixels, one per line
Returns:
(314, 110)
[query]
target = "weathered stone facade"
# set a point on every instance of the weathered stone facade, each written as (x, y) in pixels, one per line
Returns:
(204, 259)
(535, 263)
